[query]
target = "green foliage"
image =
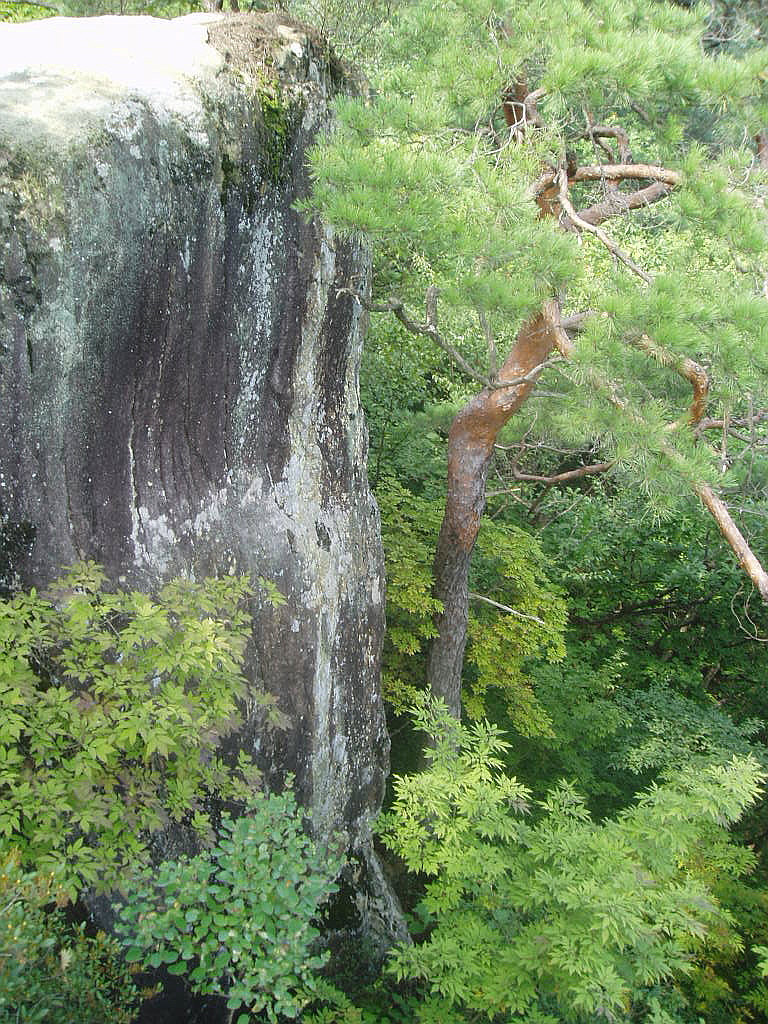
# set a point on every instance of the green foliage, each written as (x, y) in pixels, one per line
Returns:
(526, 621)
(27, 10)
(235, 920)
(20, 10)
(666, 731)
(657, 671)
(430, 172)
(509, 568)
(113, 706)
(662, 674)
(51, 970)
(410, 395)
(725, 986)
(545, 914)
(352, 27)
(381, 1003)
(409, 528)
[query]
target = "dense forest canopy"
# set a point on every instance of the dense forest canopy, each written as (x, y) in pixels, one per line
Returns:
(573, 203)
(570, 221)
(569, 311)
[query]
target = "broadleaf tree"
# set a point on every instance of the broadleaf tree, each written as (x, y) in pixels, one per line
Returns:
(575, 202)
(542, 914)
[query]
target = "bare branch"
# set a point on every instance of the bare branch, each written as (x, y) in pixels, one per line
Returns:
(713, 503)
(505, 608)
(662, 603)
(595, 132)
(686, 367)
(597, 141)
(730, 531)
(575, 322)
(610, 172)
(519, 107)
(396, 306)
(618, 202)
(724, 445)
(429, 329)
(608, 242)
(749, 563)
(733, 421)
(527, 377)
(562, 478)
(748, 560)
(542, 183)
(622, 172)
(430, 306)
(523, 445)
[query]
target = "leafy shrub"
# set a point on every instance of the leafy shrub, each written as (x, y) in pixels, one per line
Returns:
(236, 919)
(553, 913)
(50, 970)
(112, 707)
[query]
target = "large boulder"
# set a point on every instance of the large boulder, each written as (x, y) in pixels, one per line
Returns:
(179, 359)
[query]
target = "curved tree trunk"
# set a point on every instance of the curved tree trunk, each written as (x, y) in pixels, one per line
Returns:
(470, 449)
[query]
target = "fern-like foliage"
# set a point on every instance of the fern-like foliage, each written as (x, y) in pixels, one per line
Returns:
(538, 912)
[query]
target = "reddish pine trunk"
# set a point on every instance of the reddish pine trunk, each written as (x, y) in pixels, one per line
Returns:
(470, 449)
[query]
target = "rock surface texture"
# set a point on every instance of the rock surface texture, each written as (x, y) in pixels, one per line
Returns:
(178, 370)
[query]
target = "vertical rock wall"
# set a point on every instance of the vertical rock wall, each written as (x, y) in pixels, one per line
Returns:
(178, 370)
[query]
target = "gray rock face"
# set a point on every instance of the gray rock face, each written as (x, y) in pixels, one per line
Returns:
(178, 372)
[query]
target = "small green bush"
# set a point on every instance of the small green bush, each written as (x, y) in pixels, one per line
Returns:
(113, 705)
(50, 970)
(236, 920)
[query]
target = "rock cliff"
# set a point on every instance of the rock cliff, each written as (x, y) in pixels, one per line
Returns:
(178, 365)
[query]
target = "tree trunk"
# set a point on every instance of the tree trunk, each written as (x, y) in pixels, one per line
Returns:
(470, 449)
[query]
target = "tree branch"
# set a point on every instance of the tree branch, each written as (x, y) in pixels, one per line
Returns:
(593, 229)
(697, 377)
(717, 507)
(762, 149)
(428, 329)
(730, 531)
(621, 172)
(604, 131)
(575, 322)
(519, 107)
(693, 372)
(733, 421)
(748, 561)
(505, 608)
(686, 367)
(618, 202)
(529, 376)
(562, 478)
(610, 172)
(662, 603)
(493, 358)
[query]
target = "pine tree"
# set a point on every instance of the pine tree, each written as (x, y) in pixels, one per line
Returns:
(576, 198)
